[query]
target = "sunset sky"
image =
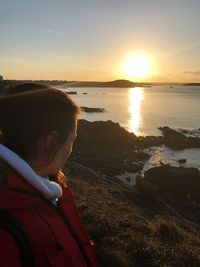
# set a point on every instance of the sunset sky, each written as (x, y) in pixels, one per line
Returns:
(97, 39)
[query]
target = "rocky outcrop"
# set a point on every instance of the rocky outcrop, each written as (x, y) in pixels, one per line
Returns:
(108, 148)
(176, 140)
(71, 93)
(90, 110)
(179, 187)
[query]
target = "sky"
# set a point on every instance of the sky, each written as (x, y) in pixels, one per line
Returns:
(92, 39)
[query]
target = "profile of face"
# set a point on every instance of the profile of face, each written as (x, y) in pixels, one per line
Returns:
(59, 158)
(62, 154)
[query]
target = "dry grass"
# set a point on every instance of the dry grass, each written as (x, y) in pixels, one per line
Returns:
(124, 233)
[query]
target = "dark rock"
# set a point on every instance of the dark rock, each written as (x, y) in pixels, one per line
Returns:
(184, 131)
(177, 140)
(86, 109)
(108, 148)
(72, 93)
(182, 161)
(149, 141)
(174, 186)
(105, 135)
(128, 179)
(147, 191)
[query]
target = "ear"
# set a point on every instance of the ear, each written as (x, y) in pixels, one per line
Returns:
(46, 143)
(50, 140)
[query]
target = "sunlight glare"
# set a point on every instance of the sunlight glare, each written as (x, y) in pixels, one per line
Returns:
(135, 97)
(137, 66)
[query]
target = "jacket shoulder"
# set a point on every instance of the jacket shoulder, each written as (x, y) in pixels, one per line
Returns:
(9, 250)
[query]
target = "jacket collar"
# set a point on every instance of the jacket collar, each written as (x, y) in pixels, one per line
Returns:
(48, 189)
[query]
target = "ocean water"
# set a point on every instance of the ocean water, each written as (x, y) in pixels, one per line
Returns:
(143, 109)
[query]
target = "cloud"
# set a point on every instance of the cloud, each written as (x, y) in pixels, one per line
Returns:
(53, 32)
(192, 72)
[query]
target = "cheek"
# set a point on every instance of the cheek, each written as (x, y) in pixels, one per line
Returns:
(68, 149)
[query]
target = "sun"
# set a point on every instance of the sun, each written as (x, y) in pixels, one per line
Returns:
(137, 66)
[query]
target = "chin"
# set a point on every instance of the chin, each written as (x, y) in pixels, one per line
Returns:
(54, 171)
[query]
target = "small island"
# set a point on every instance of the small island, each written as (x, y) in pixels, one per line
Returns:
(87, 109)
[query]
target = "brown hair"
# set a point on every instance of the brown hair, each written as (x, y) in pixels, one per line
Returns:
(29, 111)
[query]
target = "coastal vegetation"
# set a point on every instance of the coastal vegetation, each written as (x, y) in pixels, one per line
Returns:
(130, 227)
(155, 222)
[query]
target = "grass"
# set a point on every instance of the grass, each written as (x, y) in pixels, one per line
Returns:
(125, 232)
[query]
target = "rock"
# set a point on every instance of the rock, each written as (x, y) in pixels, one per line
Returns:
(175, 185)
(147, 191)
(149, 141)
(111, 150)
(108, 148)
(86, 109)
(128, 179)
(182, 161)
(176, 140)
(162, 163)
(184, 131)
(72, 93)
(104, 135)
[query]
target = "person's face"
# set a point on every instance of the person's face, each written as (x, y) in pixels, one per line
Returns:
(63, 153)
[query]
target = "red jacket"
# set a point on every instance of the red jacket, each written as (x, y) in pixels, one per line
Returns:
(56, 233)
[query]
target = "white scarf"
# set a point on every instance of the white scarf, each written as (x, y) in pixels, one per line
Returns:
(50, 190)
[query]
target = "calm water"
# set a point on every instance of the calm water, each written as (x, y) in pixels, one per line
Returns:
(143, 110)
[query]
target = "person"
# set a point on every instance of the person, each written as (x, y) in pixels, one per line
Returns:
(38, 127)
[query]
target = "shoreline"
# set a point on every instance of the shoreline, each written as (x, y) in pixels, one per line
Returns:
(108, 148)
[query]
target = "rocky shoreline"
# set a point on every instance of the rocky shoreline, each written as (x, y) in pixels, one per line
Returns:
(109, 149)
(154, 223)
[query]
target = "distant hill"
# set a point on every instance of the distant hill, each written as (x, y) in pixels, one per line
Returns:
(192, 84)
(117, 83)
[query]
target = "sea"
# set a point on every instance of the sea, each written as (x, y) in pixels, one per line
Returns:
(142, 110)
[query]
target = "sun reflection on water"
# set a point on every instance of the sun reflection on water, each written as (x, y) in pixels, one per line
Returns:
(135, 100)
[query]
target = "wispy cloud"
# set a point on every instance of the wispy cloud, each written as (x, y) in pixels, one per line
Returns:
(52, 32)
(192, 72)
(182, 50)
